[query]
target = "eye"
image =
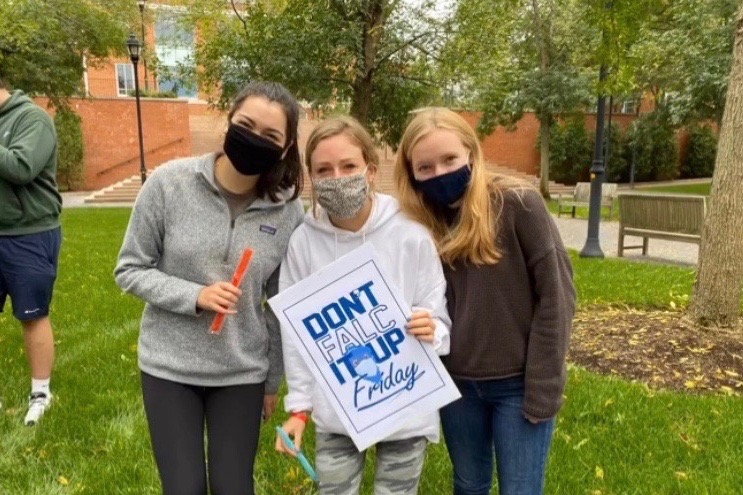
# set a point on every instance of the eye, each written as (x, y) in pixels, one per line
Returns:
(451, 158)
(248, 124)
(424, 167)
(275, 138)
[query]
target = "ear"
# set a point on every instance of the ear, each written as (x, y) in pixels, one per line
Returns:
(371, 173)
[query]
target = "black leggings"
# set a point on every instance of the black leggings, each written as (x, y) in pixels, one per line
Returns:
(176, 414)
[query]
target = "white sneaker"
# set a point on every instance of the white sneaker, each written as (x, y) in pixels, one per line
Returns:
(38, 403)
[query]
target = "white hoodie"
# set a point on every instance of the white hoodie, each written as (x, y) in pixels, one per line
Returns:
(409, 256)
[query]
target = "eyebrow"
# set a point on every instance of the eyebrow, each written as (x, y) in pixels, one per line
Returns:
(251, 121)
(342, 161)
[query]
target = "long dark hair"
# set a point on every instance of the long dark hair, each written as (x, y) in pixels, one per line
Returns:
(288, 173)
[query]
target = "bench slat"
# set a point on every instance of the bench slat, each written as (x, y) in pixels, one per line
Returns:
(671, 217)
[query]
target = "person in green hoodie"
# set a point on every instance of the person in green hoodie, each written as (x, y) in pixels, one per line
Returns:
(30, 234)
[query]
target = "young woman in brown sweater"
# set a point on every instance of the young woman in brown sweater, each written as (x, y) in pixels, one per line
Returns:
(510, 296)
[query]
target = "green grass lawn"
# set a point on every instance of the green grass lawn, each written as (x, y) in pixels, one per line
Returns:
(613, 437)
(703, 189)
(582, 212)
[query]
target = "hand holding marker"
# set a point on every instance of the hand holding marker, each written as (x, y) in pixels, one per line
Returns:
(300, 455)
(237, 279)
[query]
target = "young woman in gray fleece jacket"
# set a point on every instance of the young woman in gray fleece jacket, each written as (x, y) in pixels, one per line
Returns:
(190, 224)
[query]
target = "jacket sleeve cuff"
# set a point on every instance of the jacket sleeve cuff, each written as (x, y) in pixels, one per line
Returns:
(273, 383)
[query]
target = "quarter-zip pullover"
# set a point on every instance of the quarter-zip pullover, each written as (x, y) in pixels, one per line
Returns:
(182, 238)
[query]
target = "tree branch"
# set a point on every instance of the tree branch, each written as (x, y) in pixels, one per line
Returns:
(425, 82)
(386, 57)
(234, 9)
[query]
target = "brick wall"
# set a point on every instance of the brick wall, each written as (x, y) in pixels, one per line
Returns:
(111, 139)
(518, 149)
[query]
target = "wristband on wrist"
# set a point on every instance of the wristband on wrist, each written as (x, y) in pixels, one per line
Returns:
(301, 415)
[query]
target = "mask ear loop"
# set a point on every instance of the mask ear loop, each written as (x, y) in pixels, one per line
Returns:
(313, 198)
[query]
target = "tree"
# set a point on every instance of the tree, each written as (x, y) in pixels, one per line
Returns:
(683, 58)
(375, 54)
(717, 291)
(43, 41)
(517, 56)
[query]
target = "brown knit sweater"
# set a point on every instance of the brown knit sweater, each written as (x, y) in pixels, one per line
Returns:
(514, 318)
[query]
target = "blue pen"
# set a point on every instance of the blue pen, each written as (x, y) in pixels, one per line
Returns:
(300, 455)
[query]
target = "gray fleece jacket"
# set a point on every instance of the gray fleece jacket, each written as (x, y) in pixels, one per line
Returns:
(181, 239)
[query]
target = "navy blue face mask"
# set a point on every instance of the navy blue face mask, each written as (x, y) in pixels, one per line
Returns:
(446, 189)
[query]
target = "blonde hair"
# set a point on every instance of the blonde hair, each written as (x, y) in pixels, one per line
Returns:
(352, 129)
(473, 238)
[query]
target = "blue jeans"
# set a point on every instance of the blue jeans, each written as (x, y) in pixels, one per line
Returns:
(489, 417)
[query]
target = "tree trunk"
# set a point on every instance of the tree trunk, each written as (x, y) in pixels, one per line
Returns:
(374, 18)
(362, 98)
(545, 119)
(717, 291)
(544, 158)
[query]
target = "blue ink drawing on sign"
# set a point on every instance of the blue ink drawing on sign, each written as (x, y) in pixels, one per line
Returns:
(362, 360)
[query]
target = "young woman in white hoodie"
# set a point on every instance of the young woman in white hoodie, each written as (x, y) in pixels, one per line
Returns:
(342, 163)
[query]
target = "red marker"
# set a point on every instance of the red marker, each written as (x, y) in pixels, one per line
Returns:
(237, 279)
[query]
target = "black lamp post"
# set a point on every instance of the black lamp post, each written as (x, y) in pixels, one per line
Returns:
(592, 248)
(135, 47)
(144, 39)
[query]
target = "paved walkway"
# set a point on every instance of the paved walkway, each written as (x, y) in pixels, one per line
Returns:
(573, 233)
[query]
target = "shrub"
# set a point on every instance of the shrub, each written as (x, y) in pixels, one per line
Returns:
(70, 149)
(570, 151)
(653, 139)
(153, 93)
(617, 166)
(701, 153)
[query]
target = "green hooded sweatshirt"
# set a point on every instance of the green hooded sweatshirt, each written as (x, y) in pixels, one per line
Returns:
(29, 199)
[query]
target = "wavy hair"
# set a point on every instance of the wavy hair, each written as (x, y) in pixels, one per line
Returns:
(473, 238)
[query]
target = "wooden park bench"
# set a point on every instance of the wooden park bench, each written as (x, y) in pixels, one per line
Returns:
(673, 217)
(580, 197)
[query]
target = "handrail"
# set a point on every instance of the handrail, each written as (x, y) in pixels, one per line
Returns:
(136, 157)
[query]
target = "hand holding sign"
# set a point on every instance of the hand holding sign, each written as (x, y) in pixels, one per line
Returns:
(422, 326)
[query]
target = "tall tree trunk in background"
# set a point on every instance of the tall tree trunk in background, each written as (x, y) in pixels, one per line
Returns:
(717, 291)
(544, 157)
(545, 119)
(374, 15)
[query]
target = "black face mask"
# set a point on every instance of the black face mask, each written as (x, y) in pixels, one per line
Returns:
(250, 153)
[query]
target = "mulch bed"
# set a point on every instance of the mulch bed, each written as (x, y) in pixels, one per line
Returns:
(658, 348)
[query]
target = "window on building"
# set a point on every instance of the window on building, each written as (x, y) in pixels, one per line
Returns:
(174, 46)
(629, 106)
(125, 79)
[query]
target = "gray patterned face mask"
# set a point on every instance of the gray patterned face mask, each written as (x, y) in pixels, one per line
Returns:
(342, 197)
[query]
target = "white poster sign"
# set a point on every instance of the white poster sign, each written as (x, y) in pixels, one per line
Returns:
(348, 323)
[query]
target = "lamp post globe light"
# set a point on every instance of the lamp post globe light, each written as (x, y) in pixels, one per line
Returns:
(141, 4)
(135, 47)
